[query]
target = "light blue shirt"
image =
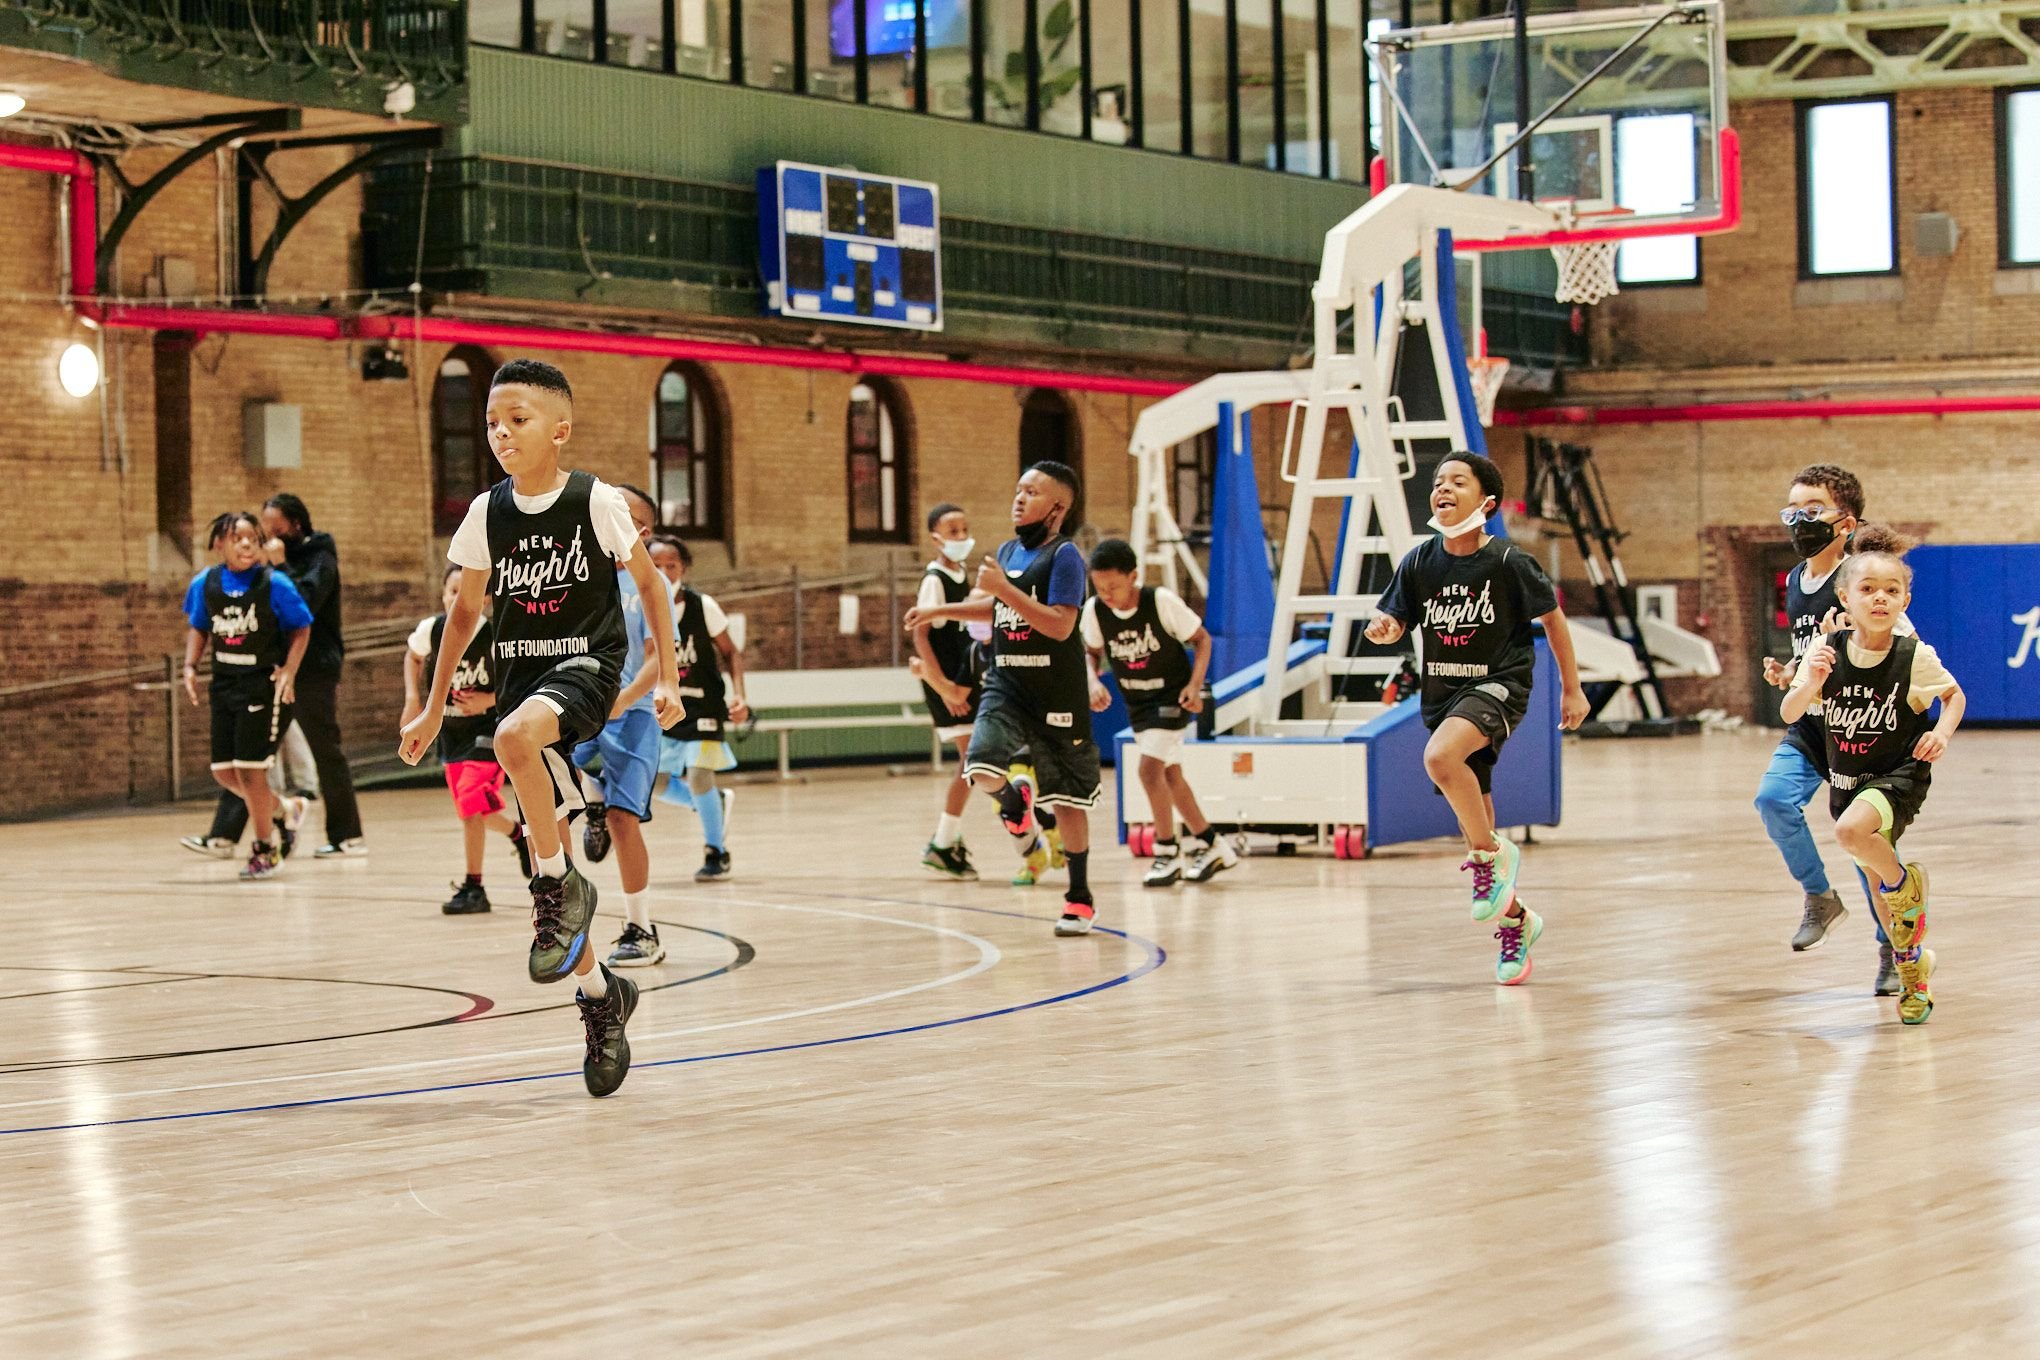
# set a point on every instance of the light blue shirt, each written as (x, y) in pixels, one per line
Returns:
(635, 631)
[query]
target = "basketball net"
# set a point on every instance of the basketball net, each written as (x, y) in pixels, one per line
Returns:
(1586, 273)
(1487, 375)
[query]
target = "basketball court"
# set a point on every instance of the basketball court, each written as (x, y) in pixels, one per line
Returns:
(1285, 1113)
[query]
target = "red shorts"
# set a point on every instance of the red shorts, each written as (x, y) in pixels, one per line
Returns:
(477, 787)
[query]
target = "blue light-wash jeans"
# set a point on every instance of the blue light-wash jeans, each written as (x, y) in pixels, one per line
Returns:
(1788, 786)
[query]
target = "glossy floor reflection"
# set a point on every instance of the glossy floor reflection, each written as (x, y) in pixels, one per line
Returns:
(877, 1114)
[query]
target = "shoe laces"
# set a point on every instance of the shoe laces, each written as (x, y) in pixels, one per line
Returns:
(1511, 937)
(1483, 875)
(548, 912)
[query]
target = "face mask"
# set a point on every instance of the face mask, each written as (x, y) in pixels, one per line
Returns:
(1033, 535)
(958, 549)
(1465, 526)
(1810, 537)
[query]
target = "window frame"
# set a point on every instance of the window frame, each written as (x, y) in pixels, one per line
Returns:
(891, 403)
(2002, 137)
(481, 368)
(705, 416)
(1802, 116)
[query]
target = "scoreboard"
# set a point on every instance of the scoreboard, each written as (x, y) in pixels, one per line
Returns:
(837, 245)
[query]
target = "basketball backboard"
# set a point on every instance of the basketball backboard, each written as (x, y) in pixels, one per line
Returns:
(1628, 111)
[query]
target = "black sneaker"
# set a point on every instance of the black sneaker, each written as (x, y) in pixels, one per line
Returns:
(468, 900)
(561, 909)
(1888, 983)
(951, 862)
(608, 1061)
(521, 843)
(289, 817)
(714, 866)
(637, 947)
(595, 835)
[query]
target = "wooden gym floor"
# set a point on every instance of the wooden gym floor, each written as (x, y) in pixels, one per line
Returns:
(1287, 1114)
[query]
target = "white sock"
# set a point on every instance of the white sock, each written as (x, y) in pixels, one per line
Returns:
(552, 866)
(637, 908)
(594, 985)
(948, 830)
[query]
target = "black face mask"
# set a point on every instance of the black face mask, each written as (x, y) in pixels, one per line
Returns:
(1033, 535)
(1810, 537)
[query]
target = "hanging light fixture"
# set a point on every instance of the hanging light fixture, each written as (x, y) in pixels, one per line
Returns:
(78, 370)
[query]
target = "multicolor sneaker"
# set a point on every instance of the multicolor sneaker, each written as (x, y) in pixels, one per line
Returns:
(1822, 911)
(1494, 878)
(595, 834)
(561, 909)
(1023, 780)
(637, 947)
(1887, 973)
(950, 862)
(608, 1060)
(1908, 909)
(1517, 934)
(468, 900)
(1076, 918)
(1033, 865)
(1207, 860)
(1915, 975)
(1167, 868)
(262, 863)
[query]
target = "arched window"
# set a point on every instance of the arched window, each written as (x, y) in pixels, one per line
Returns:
(876, 445)
(687, 464)
(462, 467)
(1049, 433)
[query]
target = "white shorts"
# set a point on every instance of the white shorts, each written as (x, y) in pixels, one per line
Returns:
(1162, 743)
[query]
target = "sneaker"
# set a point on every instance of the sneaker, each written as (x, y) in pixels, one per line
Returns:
(1033, 865)
(951, 862)
(468, 900)
(1494, 878)
(1207, 860)
(561, 909)
(715, 866)
(1167, 868)
(262, 863)
(1887, 973)
(1076, 919)
(1915, 973)
(521, 843)
(1517, 934)
(595, 833)
(1822, 911)
(608, 1061)
(217, 847)
(1908, 909)
(354, 847)
(637, 947)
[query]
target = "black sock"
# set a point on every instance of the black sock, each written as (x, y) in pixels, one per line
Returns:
(1046, 816)
(1209, 835)
(474, 880)
(1163, 849)
(1080, 869)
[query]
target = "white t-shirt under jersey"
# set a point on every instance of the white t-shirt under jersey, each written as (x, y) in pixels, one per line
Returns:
(711, 614)
(614, 529)
(1179, 619)
(931, 596)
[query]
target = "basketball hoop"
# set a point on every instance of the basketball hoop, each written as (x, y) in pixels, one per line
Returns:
(1586, 273)
(1487, 374)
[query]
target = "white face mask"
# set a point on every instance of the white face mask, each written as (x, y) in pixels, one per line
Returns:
(1465, 526)
(958, 549)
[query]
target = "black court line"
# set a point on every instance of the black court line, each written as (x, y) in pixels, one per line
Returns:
(480, 1008)
(101, 987)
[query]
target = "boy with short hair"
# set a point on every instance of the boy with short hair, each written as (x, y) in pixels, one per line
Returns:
(1875, 688)
(466, 743)
(1824, 512)
(1035, 695)
(1159, 651)
(534, 541)
(950, 680)
(697, 747)
(258, 626)
(1475, 597)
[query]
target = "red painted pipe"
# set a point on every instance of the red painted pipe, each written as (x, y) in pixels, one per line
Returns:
(1819, 408)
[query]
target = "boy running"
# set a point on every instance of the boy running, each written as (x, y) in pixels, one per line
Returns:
(697, 747)
(950, 681)
(1475, 598)
(1874, 690)
(534, 542)
(1035, 695)
(466, 744)
(1159, 652)
(259, 627)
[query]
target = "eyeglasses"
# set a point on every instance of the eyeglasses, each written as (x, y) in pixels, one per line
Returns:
(1802, 514)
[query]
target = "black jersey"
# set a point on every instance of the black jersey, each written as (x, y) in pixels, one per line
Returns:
(1044, 677)
(466, 736)
(1804, 609)
(1474, 615)
(961, 660)
(247, 638)
(1871, 726)
(555, 592)
(1151, 666)
(701, 680)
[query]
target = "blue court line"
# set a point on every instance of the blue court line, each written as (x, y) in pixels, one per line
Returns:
(1156, 956)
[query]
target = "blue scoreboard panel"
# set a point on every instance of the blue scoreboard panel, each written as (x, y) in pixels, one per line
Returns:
(836, 245)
